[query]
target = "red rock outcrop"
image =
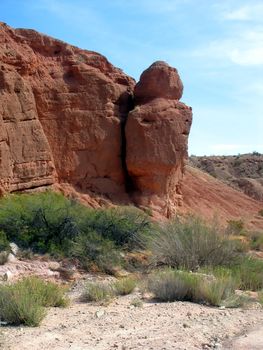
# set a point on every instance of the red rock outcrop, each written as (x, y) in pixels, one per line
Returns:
(157, 136)
(64, 119)
(77, 97)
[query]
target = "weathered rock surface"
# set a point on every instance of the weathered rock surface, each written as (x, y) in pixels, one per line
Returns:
(157, 136)
(63, 113)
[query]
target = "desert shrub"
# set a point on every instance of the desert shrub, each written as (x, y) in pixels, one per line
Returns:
(24, 302)
(137, 302)
(17, 306)
(50, 223)
(48, 293)
(260, 212)
(124, 286)
(250, 273)
(191, 243)
(3, 257)
(256, 241)
(260, 297)
(97, 292)
(44, 222)
(125, 226)
(92, 249)
(4, 243)
(215, 291)
(236, 227)
(171, 285)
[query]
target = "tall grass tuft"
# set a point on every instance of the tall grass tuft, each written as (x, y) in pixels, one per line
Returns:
(191, 243)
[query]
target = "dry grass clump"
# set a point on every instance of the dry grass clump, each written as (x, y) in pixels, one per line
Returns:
(124, 286)
(104, 292)
(98, 292)
(24, 302)
(171, 285)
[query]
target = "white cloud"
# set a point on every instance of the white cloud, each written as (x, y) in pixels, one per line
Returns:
(244, 13)
(243, 48)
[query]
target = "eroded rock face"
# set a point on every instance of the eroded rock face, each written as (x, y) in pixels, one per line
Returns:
(67, 116)
(25, 156)
(157, 136)
(62, 110)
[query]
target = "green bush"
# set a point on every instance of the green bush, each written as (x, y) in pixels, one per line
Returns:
(215, 291)
(191, 243)
(92, 249)
(24, 302)
(98, 292)
(169, 285)
(50, 223)
(172, 285)
(3, 257)
(250, 273)
(125, 226)
(44, 222)
(124, 286)
(256, 241)
(260, 297)
(4, 243)
(49, 293)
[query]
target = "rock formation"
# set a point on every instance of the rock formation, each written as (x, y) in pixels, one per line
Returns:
(66, 116)
(156, 134)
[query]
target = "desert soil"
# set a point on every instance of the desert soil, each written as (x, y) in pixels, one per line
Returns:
(152, 326)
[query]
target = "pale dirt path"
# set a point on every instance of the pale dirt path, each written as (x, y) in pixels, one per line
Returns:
(155, 326)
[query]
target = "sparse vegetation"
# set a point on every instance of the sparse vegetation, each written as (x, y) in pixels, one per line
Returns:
(250, 273)
(24, 302)
(4, 243)
(3, 257)
(98, 292)
(172, 285)
(137, 302)
(236, 227)
(191, 243)
(124, 286)
(107, 239)
(256, 241)
(50, 223)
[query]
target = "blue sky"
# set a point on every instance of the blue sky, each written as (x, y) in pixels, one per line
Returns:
(217, 46)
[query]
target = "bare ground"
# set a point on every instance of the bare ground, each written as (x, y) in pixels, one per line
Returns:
(120, 325)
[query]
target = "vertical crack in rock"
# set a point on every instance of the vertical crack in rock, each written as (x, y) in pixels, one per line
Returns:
(124, 109)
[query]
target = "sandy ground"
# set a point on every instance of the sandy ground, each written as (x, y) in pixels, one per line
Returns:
(248, 341)
(152, 326)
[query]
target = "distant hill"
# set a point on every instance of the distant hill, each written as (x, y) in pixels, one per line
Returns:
(243, 172)
(210, 198)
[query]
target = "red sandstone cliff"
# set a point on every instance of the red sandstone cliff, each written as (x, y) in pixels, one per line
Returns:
(68, 116)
